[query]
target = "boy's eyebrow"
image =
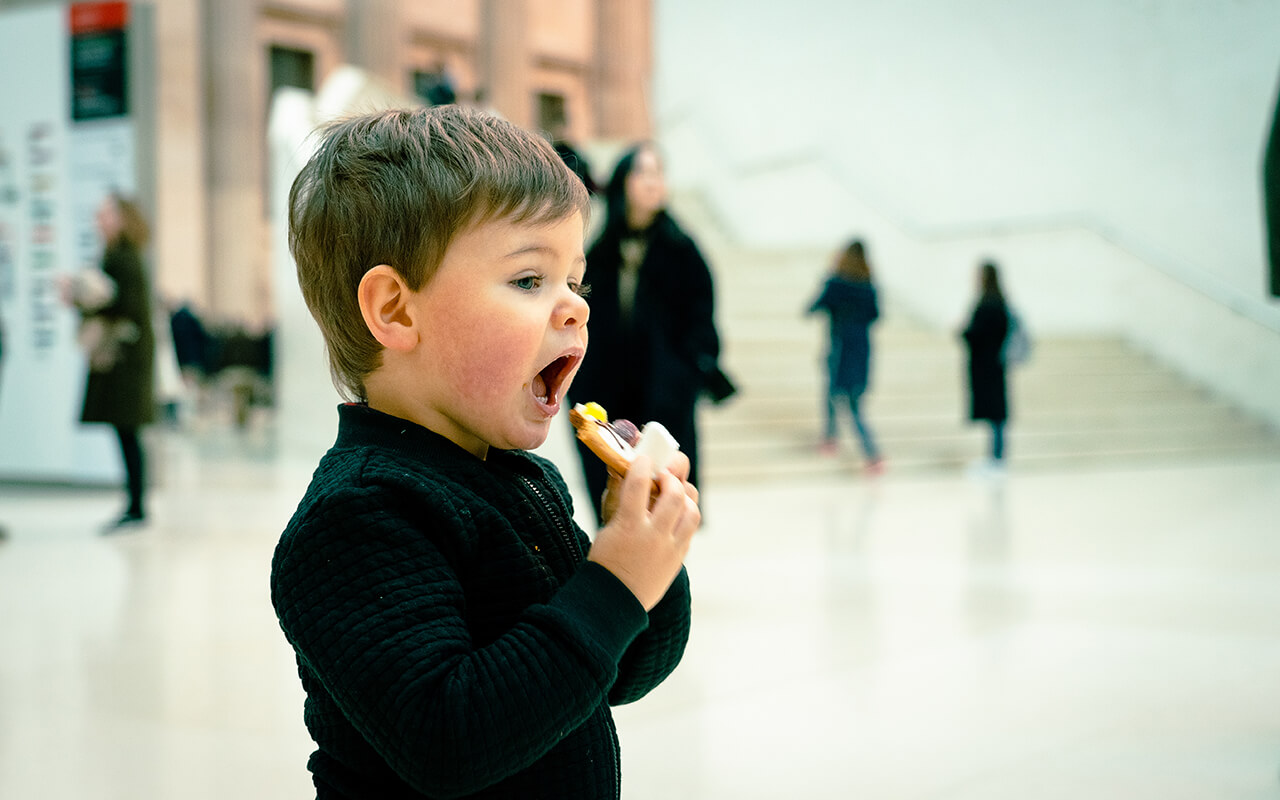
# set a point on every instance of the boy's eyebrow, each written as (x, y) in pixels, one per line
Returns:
(539, 249)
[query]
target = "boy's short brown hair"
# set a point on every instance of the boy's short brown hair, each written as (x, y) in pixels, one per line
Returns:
(396, 187)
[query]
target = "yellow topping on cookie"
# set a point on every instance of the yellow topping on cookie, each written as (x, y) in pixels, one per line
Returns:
(595, 410)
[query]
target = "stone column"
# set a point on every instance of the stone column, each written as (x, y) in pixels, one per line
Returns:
(180, 245)
(235, 137)
(375, 41)
(624, 66)
(505, 58)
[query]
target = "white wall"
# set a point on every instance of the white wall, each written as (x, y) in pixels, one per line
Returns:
(53, 174)
(1106, 152)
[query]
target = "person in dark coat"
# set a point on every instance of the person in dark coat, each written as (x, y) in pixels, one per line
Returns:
(653, 336)
(190, 342)
(4, 534)
(1271, 195)
(558, 133)
(848, 298)
(576, 161)
(119, 341)
(984, 337)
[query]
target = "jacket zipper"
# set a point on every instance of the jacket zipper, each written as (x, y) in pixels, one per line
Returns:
(575, 552)
(572, 548)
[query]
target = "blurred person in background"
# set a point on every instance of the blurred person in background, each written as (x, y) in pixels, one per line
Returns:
(117, 336)
(654, 345)
(558, 134)
(3, 531)
(848, 298)
(984, 338)
(1271, 194)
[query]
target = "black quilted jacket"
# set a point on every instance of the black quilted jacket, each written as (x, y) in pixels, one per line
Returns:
(451, 638)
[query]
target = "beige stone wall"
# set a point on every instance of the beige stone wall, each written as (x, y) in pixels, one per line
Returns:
(562, 36)
(450, 20)
(212, 237)
(319, 33)
(563, 29)
(624, 66)
(180, 246)
(302, 8)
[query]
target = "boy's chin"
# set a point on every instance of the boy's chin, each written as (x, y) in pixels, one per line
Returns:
(528, 439)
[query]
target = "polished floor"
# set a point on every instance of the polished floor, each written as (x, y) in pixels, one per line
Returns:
(1102, 633)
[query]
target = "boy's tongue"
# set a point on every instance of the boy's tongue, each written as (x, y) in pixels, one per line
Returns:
(540, 388)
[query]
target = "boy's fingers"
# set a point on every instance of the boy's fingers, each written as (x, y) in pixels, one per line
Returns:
(635, 486)
(679, 466)
(690, 523)
(671, 502)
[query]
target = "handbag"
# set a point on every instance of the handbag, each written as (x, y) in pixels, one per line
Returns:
(1016, 348)
(104, 340)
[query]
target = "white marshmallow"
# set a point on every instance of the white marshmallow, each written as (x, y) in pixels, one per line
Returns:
(657, 443)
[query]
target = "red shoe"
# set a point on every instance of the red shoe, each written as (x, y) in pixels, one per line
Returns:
(828, 449)
(875, 466)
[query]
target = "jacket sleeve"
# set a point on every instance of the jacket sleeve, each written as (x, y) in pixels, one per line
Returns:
(819, 303)
(382, 630)
(655, 653)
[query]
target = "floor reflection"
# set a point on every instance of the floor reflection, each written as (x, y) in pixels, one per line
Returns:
(1089, 633)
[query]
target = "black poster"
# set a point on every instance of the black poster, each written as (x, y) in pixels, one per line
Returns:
(99, 79)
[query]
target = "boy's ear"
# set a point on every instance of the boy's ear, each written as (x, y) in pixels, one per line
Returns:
(384, 303)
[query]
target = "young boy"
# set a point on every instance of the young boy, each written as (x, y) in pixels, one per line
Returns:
(457, 634)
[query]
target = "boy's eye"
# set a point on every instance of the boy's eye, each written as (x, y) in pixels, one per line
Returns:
(580, 289)
(528, 282)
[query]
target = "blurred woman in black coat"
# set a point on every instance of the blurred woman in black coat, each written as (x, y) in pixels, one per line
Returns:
(653, 340)
(119, 342)
(984, 337)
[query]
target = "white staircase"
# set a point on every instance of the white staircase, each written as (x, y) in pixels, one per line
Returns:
(1083, 400)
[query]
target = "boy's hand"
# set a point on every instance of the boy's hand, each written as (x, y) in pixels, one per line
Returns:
(647, 537)
(66, 290)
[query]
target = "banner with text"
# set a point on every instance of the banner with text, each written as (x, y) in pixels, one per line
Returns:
(66, 140)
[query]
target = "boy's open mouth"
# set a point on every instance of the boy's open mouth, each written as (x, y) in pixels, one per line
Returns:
(548, 383)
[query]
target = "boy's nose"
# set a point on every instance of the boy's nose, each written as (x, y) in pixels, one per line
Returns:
(573, 312)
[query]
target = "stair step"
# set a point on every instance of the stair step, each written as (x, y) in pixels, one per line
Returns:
(1088, 417)
(801, 465)
(1081, 400)
(1033, 439)
(891, 399)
